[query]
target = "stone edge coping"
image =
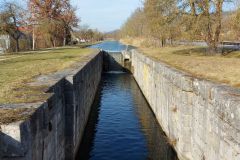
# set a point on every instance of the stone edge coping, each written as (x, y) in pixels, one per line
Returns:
(224, 98)
(50, 80)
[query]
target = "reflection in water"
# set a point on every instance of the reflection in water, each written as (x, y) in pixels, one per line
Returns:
(158, 144)
(121, 125)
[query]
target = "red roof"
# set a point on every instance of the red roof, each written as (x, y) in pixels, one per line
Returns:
(25, 28)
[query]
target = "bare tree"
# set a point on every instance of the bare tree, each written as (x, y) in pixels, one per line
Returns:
(11, 18)
(185, 19)
(235, 21)
(85, 33)
(135, 25)
(206, 19)
(55, 19)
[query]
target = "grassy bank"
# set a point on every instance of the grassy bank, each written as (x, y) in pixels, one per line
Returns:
(192, 59)
(17, 70)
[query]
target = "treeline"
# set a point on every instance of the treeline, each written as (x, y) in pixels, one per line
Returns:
(86, 34)
(42, 24)
(52, 21)
(165, 21)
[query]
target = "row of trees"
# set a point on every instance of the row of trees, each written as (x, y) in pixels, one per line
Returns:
(168, 20)
(43, 23)
(52, 18)
(231, 26)
(47, 21)
(87, 34)
(11, 17)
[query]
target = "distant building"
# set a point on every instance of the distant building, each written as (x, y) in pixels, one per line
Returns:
(83, 40)
(74, 38)
(4, 43)
(7, 44)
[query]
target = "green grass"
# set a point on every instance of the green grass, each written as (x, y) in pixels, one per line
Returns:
(17, 70)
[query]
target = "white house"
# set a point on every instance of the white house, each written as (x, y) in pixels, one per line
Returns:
(4, 43)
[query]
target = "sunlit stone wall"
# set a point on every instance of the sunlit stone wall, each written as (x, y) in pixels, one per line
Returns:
(201, 118)
(55, 129)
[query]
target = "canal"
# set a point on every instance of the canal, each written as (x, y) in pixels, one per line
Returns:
(121, 125)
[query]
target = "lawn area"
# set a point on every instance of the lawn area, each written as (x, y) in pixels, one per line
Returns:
(17, 70)
(192, 59)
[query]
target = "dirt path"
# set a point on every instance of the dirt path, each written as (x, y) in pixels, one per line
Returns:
(3, 59)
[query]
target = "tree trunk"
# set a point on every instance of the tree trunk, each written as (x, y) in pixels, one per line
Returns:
(33, 38)
(213, 37)
(17, 45)
(54, 42)
(193, 9)
(219, 22)
(64, 41)
(171, 41)
(211, 51)
(64, 38)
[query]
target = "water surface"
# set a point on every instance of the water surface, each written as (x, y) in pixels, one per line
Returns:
(112, 46)
(122, 126)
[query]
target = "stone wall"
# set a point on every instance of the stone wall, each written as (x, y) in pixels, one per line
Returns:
(201, 118)
(112, 61)
(55, 129)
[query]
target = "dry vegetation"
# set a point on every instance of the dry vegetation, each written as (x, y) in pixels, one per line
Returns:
(18, 70)
(166, 21)
(160, 23)
(13, 115)
(192, 59)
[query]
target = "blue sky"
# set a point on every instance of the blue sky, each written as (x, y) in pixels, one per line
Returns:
(108, 15)
(105, 15)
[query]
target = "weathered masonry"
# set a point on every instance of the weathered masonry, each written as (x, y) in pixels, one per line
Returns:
(54, 131)
(201, 118)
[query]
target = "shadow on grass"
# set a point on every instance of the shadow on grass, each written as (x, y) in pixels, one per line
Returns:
(46, 50)
(228, 52)
(27, 59)
(201, 51)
